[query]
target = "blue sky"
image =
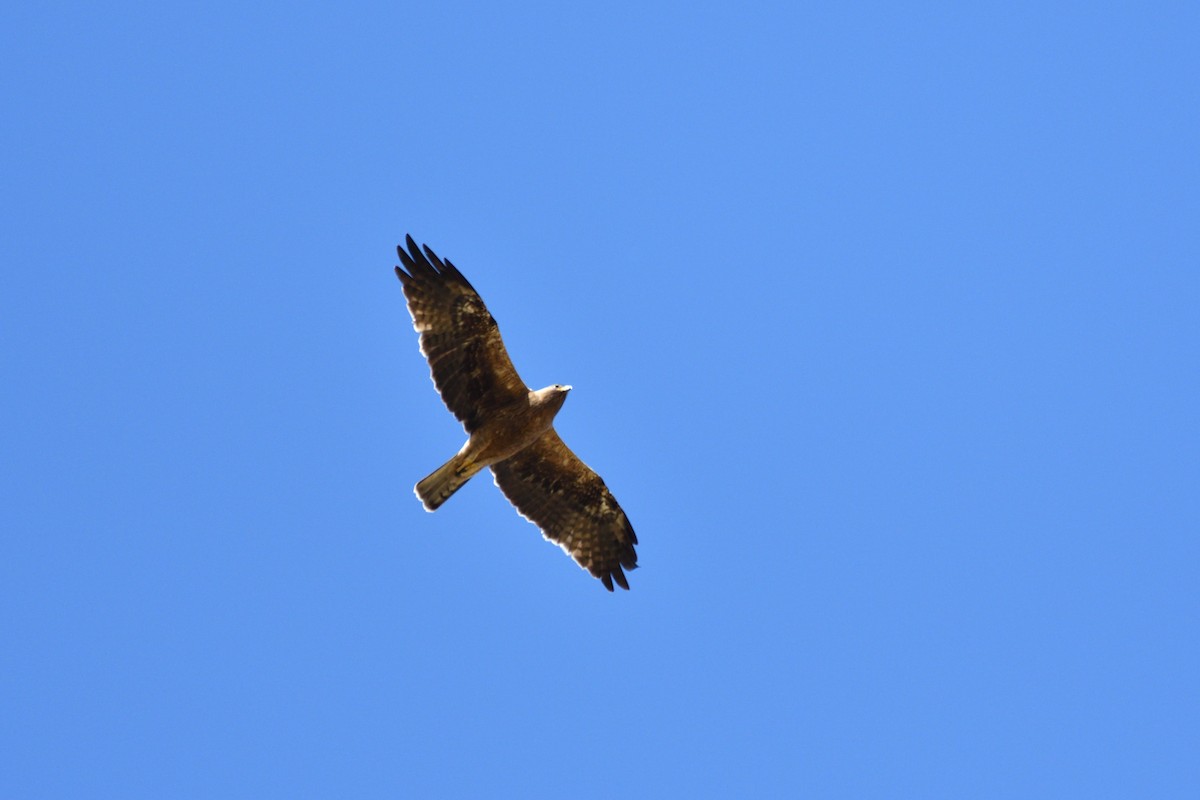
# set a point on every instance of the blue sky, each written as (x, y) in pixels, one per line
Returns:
(882, 323)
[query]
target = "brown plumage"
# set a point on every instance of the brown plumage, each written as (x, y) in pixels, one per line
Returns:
(511, 428)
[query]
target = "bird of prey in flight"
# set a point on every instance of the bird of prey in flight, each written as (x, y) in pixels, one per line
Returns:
(510, 427)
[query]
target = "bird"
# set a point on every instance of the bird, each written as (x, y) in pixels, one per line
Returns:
(510, 427)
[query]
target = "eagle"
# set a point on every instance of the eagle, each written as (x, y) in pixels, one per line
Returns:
(510, 427)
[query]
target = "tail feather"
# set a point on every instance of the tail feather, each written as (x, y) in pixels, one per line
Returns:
(445, 481)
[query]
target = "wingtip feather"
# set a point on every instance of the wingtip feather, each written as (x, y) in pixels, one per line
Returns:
(433, 259)
(620, 578)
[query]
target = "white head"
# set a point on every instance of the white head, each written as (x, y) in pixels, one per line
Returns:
(552, 395)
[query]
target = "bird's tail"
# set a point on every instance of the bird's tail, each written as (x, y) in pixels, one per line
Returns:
(445, 481)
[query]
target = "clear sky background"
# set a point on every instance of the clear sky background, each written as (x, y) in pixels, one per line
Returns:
(883, 326)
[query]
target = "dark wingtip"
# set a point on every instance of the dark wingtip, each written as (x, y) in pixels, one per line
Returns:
(452, 271)
(405, 259)
(416, 262)
(433, 259)
(620, 578)
(606, 579)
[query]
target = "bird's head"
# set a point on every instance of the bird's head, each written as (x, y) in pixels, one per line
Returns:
(552, 395)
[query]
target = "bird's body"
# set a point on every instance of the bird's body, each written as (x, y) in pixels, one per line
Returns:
(509, 430)
(510, 427)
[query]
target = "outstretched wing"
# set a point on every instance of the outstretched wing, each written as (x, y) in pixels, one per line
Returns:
(564, 497)
(467, 360)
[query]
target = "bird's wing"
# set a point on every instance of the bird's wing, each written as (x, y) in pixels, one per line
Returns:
(563, 496)
(460, 339)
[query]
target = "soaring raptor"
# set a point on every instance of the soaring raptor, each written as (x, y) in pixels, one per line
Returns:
(511, 428)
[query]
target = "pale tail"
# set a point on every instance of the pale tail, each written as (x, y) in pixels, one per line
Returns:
(445, 481)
